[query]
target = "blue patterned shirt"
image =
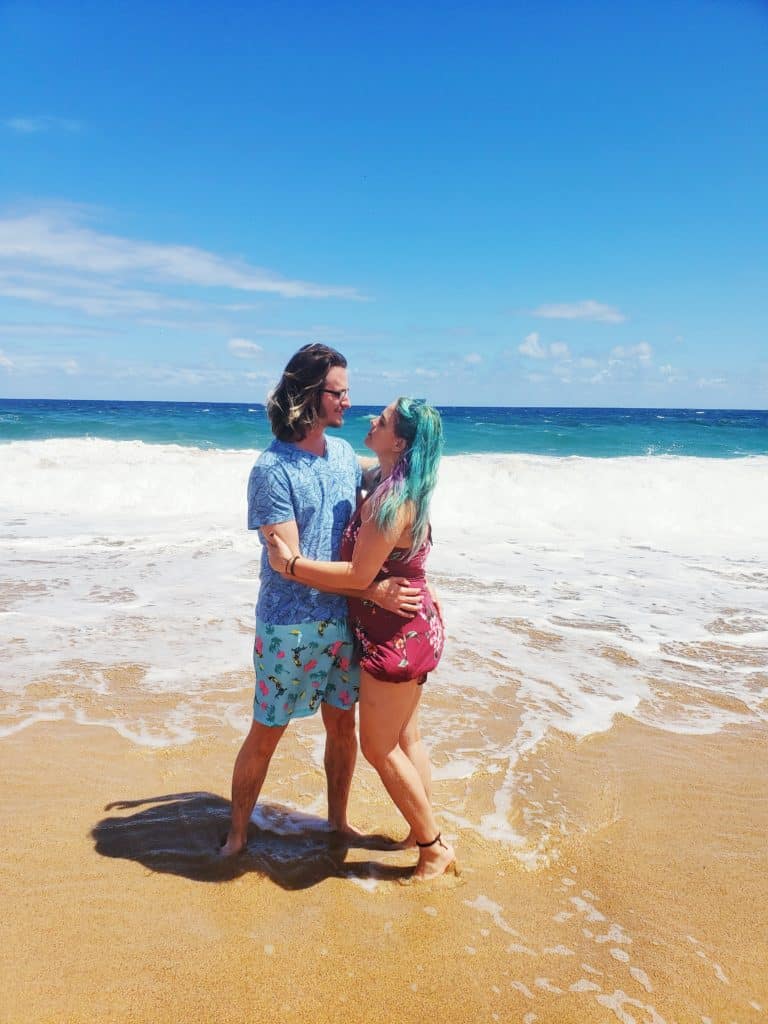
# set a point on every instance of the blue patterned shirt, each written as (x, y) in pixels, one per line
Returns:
(319, 492)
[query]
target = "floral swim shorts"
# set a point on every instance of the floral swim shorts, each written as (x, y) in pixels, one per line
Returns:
(299, 667)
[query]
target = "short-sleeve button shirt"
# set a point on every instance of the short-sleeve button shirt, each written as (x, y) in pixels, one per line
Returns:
(319, 492)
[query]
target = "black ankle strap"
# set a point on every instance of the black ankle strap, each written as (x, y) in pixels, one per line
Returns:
(435, 840)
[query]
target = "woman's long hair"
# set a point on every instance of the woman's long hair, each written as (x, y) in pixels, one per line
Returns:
(415, 474)
(294, 405)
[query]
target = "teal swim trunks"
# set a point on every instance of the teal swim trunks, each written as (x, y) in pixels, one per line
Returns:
(299, 667)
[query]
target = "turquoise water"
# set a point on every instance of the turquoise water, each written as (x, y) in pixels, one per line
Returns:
(603, 433)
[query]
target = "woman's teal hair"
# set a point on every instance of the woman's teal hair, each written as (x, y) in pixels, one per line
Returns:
(414, 477)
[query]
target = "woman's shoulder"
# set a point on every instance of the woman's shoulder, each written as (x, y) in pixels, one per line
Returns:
(371, 477)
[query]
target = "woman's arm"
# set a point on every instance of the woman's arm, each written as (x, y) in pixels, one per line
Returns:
(372, 548)
(395, 594)
(436, 601)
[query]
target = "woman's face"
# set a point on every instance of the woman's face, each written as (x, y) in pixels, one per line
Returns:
(381, 438)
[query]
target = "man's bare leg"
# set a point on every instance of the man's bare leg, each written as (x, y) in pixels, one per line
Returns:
(248, 777)
(340, 757)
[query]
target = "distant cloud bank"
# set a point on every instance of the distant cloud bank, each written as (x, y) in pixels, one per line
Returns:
(588, 309)
(51, 257)
(243, 348)
(45, 123)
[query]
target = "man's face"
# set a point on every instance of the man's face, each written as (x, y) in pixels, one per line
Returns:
(333, 406)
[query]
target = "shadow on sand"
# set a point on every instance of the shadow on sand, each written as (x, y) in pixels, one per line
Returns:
(180, 834)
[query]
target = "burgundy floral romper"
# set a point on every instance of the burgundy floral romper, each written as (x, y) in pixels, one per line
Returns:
(390, 647)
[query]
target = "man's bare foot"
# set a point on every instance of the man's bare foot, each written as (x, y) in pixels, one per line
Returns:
(232, 846)
(344, 829)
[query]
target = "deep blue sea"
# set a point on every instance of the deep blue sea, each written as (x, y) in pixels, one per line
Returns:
(604, 433)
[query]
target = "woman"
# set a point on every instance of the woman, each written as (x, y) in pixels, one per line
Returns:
(390, 534)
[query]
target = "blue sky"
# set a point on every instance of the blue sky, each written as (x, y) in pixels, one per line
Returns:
(552, 203)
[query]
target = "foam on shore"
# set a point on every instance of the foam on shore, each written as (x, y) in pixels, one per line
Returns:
(575, 590)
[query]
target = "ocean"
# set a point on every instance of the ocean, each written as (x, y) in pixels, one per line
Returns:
(593, 563)
(591, 433)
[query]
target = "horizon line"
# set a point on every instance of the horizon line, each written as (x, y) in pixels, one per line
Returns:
(369, 405)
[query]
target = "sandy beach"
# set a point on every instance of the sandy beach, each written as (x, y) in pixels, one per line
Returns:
(651, 908)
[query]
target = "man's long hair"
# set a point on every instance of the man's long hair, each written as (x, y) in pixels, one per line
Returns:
(415, 474)
(293, 407)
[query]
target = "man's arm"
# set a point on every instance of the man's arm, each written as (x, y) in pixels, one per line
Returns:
(288, 532)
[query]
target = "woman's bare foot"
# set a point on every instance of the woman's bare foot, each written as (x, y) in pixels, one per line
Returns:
(435, 859)
(408, 842)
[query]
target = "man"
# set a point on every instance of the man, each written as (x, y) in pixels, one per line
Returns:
(303, 487)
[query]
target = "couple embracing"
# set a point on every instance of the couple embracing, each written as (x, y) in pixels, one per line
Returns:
(344, 611)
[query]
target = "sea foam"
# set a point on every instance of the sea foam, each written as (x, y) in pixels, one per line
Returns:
(574, 589)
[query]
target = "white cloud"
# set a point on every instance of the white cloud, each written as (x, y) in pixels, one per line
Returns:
(625, 364)
(260, 375)
(36, 363)
(531, 347)
(175, 375)
(165, 324)
(94, 297)
(473, 358)
(670, 374)
(315, 332)
(588, 309)
(302, 332)
(243, 348)
(641, 352)
(58, 239)
(421, 372)
(51, 331)
(711, 382)
(36, 125)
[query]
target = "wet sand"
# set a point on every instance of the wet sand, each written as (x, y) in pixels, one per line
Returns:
(649, 904)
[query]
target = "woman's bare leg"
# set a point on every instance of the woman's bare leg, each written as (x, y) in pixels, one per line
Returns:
(412, 744)
(385, 711)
